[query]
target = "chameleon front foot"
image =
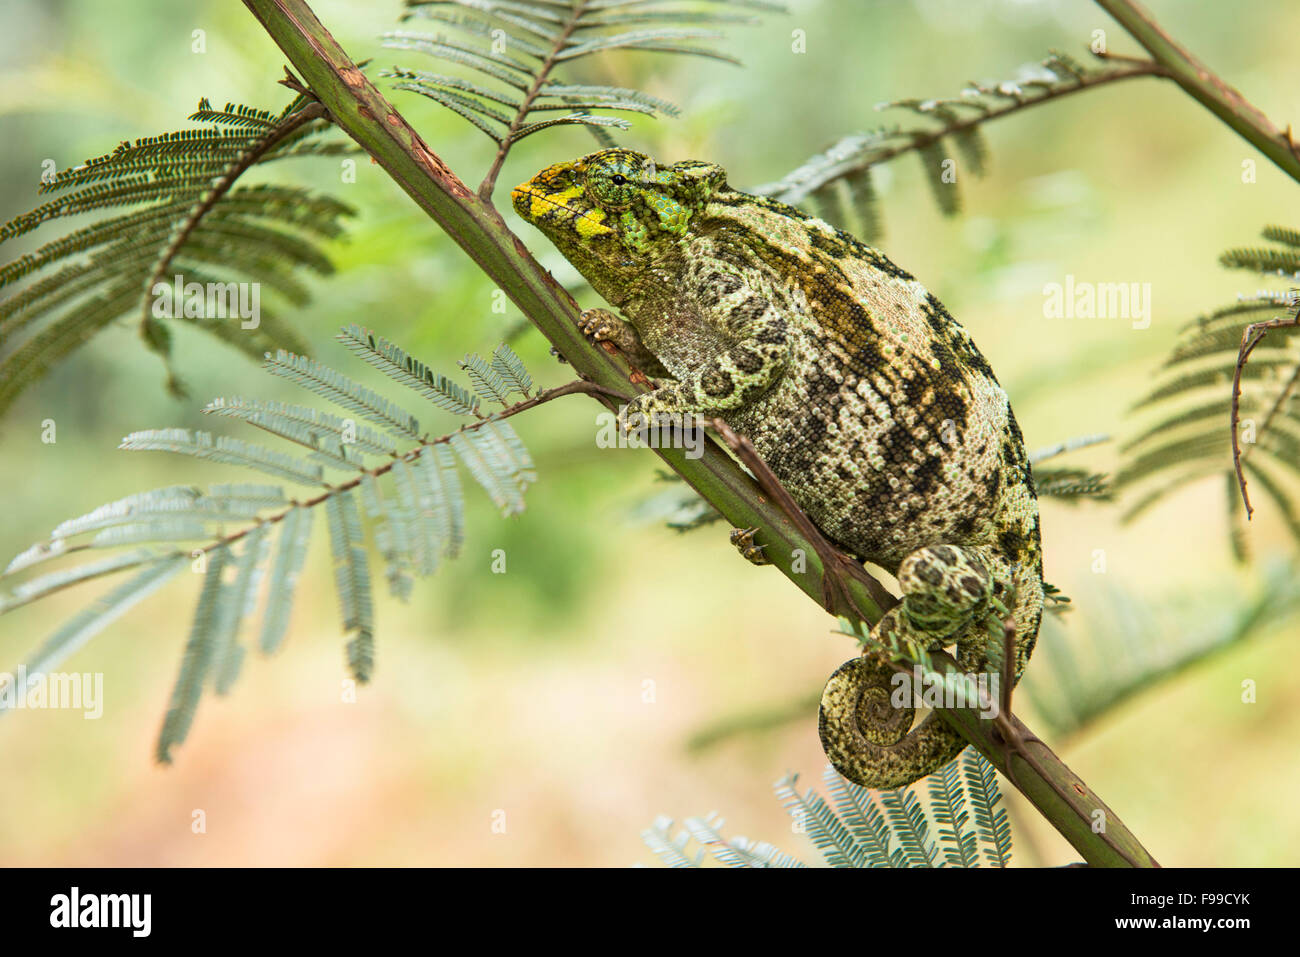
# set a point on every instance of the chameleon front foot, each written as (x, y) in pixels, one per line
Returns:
(743, 539)
(601, 325)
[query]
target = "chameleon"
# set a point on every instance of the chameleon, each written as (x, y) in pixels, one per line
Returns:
(864, 396)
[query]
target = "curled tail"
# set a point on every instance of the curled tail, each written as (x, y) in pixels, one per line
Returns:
(949, 594)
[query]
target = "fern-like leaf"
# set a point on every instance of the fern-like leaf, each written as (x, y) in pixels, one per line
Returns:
(99, 615)
(205, 445)
(991, 822)
(1189, 435)
(344, 392)
(352, 582)
(866, 828)
(196, 660)
(229, 527)
(397, 365)
(516, 47)
(182, 212)
(234, 605)
(951, 817)
(937, 128)
(705, 833)
(295, 533)
(511, 370)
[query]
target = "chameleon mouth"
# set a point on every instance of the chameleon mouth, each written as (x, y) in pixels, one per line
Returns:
(521, 198)
(525, 200)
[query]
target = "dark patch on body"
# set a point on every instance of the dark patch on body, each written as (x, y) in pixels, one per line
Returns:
(715, 382)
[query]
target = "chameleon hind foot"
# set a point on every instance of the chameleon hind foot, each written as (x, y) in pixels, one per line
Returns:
(944, 587)
(743, 539)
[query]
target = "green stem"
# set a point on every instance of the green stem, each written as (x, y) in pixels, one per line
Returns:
(1206, 87)
(358, 109)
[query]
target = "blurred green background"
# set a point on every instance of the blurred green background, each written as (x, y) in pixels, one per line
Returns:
(524, 692)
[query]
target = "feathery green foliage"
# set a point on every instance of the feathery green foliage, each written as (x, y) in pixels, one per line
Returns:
(1069, 483)
(675, 849)
(182, 215)
(837, 183)
(226, 533)
(1191, 435)
(516, 46)
(1077, 678)
(956, 821)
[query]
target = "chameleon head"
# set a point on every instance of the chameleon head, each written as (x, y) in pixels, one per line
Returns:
(616, 211)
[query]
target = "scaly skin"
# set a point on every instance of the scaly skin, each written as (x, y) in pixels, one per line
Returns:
(864, 396)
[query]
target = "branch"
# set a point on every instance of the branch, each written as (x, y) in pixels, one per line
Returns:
(1203, 85)
(792, 189)
(362, 112)
(1252, 336)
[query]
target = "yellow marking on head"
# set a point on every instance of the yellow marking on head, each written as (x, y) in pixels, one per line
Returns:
(592, 224)
(550, 200)
(564, 195)
(538, 206)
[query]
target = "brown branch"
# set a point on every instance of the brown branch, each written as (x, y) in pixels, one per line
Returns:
(1206, 87)
(1252, 336)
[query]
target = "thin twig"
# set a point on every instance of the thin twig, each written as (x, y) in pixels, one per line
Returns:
(1252, 336)
(835, 564)
(1008, 662)
(490, 180)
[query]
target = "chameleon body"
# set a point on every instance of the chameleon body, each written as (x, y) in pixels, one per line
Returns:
(864, 396)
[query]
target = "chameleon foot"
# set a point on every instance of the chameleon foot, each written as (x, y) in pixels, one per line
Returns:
(599, 325)
(743, 539)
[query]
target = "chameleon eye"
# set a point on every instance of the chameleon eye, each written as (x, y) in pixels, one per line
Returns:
(611, 188)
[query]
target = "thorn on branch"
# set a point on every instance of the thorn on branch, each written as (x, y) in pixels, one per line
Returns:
(295, 84)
